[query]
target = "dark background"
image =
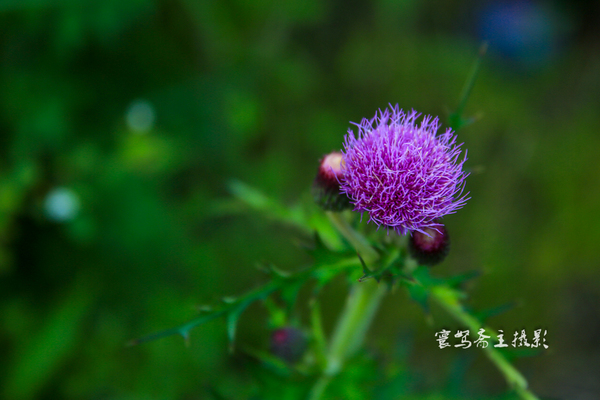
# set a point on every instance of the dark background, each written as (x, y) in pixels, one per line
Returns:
(122, 122)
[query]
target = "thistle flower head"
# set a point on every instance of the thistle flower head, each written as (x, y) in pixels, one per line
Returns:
(401, 173)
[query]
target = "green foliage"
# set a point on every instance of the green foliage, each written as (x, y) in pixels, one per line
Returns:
(257, 92)
(286, 283)
(392, 264)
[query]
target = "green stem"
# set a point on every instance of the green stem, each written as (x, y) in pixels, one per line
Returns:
(466, 91)
(447, 300)
(362, 304)
(456, 119)
(361, 245)
(360, 309)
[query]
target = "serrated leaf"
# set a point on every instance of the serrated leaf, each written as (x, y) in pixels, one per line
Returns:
(231, 307)
(366, 271)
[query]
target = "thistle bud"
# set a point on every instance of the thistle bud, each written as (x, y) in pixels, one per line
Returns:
(429, 248)
(326, 187)
(289, 344)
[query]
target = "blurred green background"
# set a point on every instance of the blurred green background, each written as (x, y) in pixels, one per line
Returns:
(122, 122)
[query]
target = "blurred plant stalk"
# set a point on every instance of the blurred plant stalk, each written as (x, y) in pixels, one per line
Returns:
(361, 306)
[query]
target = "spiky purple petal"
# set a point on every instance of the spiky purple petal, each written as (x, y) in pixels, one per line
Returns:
(401, 173)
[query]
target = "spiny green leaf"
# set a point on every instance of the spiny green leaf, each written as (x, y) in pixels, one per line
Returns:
(228, 305)
(289, 283)
(237, 304)
(366, 271)
(390, 265)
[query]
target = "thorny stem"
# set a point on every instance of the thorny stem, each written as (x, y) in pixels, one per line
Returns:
(512, 376)
(358, 241)
(362, 304)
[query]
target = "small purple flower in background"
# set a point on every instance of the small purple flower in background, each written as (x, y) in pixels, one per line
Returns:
(401, 173)
(289, 344)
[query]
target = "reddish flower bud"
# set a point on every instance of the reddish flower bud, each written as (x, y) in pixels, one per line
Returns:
(289, 344)
(429, 250)
(326, 187)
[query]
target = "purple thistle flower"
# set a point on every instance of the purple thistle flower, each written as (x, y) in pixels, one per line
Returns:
(401, 173)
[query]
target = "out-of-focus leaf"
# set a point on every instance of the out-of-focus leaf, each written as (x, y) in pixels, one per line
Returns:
(233, 307)
(40, 357)
(259, 202)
